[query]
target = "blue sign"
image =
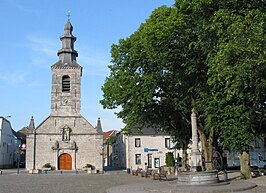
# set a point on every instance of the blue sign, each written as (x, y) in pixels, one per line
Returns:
(147, 149)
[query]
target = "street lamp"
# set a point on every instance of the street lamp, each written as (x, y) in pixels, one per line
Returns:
(18, 159)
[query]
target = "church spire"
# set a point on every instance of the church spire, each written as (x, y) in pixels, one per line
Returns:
(31, 125)
(67, 54)
(99, 126)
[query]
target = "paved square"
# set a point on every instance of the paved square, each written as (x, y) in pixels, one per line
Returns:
(68, 182)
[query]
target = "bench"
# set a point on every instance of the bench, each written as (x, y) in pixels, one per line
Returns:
(161, 174)
(136, 172)
(146, 173)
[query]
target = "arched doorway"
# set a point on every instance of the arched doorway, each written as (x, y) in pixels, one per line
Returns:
(65, 162)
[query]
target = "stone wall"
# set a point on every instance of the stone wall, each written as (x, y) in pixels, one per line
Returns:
(84, 144)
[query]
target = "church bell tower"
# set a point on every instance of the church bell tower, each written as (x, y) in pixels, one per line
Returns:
(66, 77)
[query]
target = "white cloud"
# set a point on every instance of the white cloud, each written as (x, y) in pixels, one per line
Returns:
(14, 78)
(34, 83)
(43, 50)
(22, 8)
(94, 61)
(43, 45)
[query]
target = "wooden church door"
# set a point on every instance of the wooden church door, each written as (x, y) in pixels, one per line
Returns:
(65, 162)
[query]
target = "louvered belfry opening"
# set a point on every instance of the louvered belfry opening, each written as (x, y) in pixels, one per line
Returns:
(66, 83)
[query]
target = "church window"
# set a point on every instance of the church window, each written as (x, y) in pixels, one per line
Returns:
(66, 83)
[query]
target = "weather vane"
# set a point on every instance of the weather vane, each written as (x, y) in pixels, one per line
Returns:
(68, 15)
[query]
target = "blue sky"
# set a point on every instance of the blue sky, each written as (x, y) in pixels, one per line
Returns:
(30, 31)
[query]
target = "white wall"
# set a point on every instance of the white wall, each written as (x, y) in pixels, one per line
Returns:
(155, 145)
(7, 141)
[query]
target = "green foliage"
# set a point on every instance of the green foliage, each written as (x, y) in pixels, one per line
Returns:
(111, 140)
(148, 76)
(47, 165)
(88, 166)
(202, 54)
(236, 72)
(170, 160)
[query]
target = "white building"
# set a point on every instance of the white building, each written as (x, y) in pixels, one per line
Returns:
(8, 144)
(147, 148)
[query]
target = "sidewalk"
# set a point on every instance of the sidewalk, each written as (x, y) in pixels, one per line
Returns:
(235, 184)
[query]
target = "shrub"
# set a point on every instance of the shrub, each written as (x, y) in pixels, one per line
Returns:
(47, 165)
(88, 166)
(170, 160)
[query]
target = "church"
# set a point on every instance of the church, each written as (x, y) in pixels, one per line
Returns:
(65, 139)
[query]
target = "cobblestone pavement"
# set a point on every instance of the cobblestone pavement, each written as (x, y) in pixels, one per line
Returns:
(68, 182)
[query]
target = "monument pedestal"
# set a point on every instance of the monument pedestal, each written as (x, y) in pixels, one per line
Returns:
(35, 171)
(196, 162)
(198, 178)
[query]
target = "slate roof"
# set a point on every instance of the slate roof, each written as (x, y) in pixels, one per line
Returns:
(65, 65)
(147, 131)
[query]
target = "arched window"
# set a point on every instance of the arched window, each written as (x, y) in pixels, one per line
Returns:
(66, 83)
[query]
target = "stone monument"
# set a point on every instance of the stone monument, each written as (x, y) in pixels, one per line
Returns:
(196, 176)
(196, 162)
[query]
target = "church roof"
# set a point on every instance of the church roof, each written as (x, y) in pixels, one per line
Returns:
(67, 54)
(61, 64)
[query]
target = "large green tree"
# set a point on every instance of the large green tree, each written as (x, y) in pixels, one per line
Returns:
(196, 54)
(157, 74)
(236, 75)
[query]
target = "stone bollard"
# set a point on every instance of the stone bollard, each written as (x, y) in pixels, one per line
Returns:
(225, 175)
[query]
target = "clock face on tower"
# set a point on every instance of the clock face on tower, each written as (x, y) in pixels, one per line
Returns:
(66, 100)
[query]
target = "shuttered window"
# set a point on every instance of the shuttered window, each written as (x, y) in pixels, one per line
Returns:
(66, 83)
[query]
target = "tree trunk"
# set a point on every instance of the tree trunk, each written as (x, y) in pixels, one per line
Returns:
(245, 166)
(207, 148)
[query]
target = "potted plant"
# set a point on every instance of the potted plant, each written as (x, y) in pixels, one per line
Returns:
(47, 166)
(88, 167)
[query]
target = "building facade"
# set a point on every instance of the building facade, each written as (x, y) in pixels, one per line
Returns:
(109, 138)
(65, 139)
(9, 144)
(143, 149)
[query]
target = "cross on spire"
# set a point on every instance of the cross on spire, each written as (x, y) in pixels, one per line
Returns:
(68, 15)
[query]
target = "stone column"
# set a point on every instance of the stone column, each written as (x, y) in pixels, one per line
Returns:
(195, 153)
(34, 149)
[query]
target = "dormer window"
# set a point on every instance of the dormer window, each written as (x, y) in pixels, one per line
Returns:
(66, 83)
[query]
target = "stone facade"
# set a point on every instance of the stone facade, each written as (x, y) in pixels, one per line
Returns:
(65, 139)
